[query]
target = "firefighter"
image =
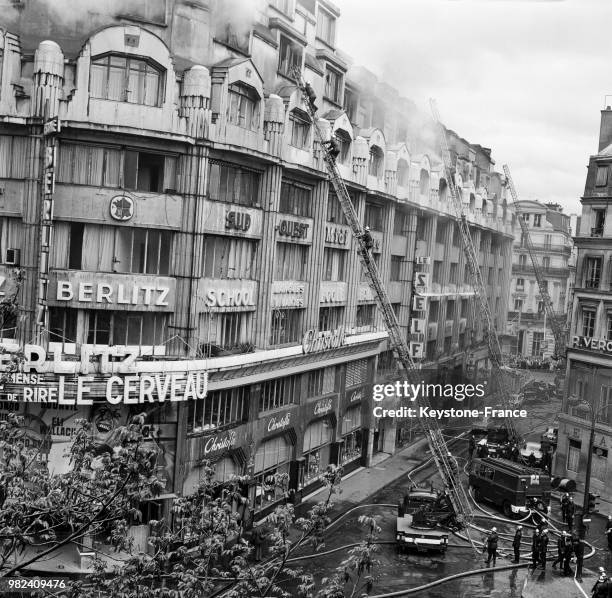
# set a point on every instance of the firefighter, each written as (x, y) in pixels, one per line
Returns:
(567, 557)
(483, 451)
(578, 548)
(535, 548)
(452, 464)
(601, 587)
(531, 460)
(563, 538)
(367, 238)
(609, 531)
(543, 547)
(491, 546)
(571, 510)
(515, 452)
(312, 96)
(333, 148)
(516, 543)
(564, 503)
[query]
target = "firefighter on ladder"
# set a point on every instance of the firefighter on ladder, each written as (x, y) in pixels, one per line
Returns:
(367, 238)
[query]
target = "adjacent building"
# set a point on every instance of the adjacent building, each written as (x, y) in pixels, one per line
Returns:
(589, 354)
(164, 196)
(549, 230)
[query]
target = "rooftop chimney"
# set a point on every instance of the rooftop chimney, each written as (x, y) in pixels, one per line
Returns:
(605, 130)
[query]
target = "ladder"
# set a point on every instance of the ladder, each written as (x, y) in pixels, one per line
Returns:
(397, 344)
(557, 330)
(494, 346)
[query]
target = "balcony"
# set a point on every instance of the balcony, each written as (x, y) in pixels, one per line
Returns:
(529, 269)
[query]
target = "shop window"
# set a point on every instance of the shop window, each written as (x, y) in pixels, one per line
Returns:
(375, 164)
(233, 184)
(286, 326)
(396, 267)
(326, 26)
(291, 261)
(588, 322)
(220, 410)
(126, 79)
(126, 328)
(592, 269)
(271, 464)
(334, 262)
(300, 129)
(62, 325)
(317, 438)
(279, 392)
(243, 106)
(142, 251)
(289, 57)
(295, 199)
(356, 372)
(225, 331)
(333, 85)
(352, 437)
(373, 216)
(573, 455)
(320, 382)
(229, 257)
(335, 214)
(365, 316)
(331, 318)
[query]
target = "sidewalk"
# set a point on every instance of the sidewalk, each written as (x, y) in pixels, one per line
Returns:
(549, 584)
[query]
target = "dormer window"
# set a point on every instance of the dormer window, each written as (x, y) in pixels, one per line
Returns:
(326, 27)
(300, 129)
(376, 161)
(344, 141)
(243, 106)
(126, 79)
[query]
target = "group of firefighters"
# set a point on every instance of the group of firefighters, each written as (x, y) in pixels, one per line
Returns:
(511, 451)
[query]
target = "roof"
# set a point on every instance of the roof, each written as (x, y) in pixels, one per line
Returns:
(606, 151)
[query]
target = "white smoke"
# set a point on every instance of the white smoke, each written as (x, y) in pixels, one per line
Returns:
(90, 13)
(237, 16)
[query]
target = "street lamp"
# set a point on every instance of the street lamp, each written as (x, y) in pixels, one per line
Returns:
(577, 402)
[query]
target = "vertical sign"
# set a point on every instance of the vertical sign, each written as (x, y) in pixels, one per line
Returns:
(418, 322)
(51, 128)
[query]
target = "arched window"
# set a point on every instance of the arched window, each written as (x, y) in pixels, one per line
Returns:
(443, 192)
(424, 182)
(300, 129)
(243, 106)
(402, 172)
(472, 201)
(376, 161)
(344, 141)
(126, 79)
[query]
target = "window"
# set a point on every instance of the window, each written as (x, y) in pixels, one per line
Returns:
(423, 182)
(373, 216)
(421, 230)
(334, 264)
(75, 246)
(143, 172)
(437, 271)
(333, 85)
(233, 184)
(464, 308)
(450, 309)
(403, 171)
(229, 257)
(350, 103)
(609, 327)
(300, 129)
(271, 460)
(15, 152)
(126, 79)
(490, 276)
(537, 220)
(399, 223)
(224, 331)
(220, 410)
(286, 326)
(592, 272)
(434, 310)
(344, 141)
(285, 6)
(317, 438)
(522, 260)
(375, 164)
(540, 307)
(601, 178)
(351, 435)
(396, 267)
(320, 382)
(291, 261)
(243, 106)
(430, 350)
(295, 199)
(456, 236)
(588, 322)
(440, 233)
(537, 344)
(331, 318)
(289, 57)
(604, 409)
(125, 328)
(467, 275)
(573, 455)
(326, 26)
(518, 305)
(547, 241)
(62, 325)
(335, 213)
(279, 393)
(599, 218)
(356, 372)
(142, 251)
(365, 315)
(228, 35)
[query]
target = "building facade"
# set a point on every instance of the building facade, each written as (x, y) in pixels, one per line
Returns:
(166, 202)
(549, 230)
(589, 354)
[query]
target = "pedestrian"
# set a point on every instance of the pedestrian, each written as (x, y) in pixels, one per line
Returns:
(312, 96)
(516, 543)
(609, 531)
(258, 538)
(578, 547)
(571, 510)
(491, 546)
(563, 538)
(564, 503)
(471, 447)
(567, 557)
(543, 547)
(601, 587)
(535, 548)
(333, 148)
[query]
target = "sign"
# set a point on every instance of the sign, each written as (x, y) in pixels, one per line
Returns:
(594, 344)
(230, 298)
(293, 229)
(417, 326)
(416, 350)
(419, 303)
(322, 407)
(221, 442)
(315, 341)
(332, 292)
(421, 280)
(278, 423)
(337, 235)
(240, 221)
(356, 395)
(365, 292)
(288, 294)
(91, 290)
(122, 207)
(423, 260)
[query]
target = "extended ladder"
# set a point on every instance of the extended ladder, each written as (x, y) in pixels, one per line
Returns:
(553, 322)
(495, 352)
(397, 343)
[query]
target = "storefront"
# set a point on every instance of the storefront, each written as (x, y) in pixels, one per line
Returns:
(271, 472)
(317, 449)
(351, 445)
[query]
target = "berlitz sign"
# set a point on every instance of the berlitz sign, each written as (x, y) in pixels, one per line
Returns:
(278, 423)
(222, 442)
(594, 344)
(314, 341)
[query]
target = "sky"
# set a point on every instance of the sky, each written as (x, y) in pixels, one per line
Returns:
(527, 78)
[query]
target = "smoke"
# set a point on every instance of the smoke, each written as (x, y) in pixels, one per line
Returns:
(234, 19)
(93, 12)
